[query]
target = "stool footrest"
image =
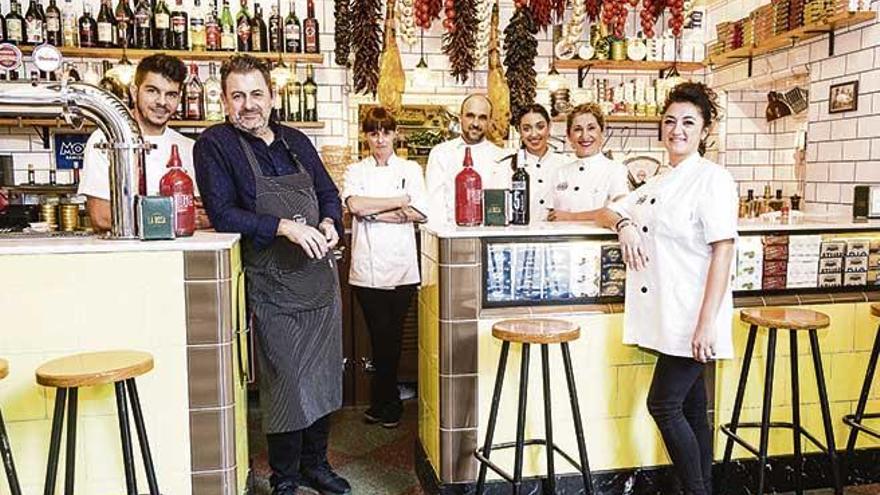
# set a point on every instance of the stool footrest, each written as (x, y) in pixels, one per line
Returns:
(510, 445)
(850, 419)
(726, 428)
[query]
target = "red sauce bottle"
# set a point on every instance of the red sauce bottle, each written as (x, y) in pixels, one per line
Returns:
(178, 185)
(468, 194)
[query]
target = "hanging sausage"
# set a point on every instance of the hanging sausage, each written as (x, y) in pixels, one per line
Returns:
(368, 35)
(392, 81)
(342, 34)
(520, 48)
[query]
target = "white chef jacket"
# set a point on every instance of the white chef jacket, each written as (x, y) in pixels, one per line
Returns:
(445, 162)
(96, 164)
(588, 183)
(679, 214)
(542, 174)
(383, 255)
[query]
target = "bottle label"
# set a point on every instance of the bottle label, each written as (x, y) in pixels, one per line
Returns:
(311, 35)
(35, 31)
(163, 21)
(257, 39)
(518, 185)
(291, 37)
(475, 196)
(194, 107)
(244, 31)
(53, 23)
(13, 29)
(105, 32)
(142, 20)
(227, 41)
(311, 104)
(183, 202)
(178, 24)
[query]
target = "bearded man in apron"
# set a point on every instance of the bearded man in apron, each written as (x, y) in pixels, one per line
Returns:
(267, 182)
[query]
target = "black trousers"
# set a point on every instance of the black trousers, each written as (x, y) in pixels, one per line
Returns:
(384, 311)
(677, 402)
(293, 451)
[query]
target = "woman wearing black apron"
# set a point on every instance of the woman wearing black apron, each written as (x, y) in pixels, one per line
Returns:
(266, 182)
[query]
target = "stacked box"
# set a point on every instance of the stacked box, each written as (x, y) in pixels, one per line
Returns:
(724, 31)
(803, 261)
(796, 14)
(831, 264)
(775, 267)
(613, 272)
(814, 10)
(737, 41)
(855, 264)
(748, 32)
(749, 263)
(781, 10)
(762, 19)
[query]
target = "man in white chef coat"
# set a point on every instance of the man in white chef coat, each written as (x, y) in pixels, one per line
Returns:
(445, 160)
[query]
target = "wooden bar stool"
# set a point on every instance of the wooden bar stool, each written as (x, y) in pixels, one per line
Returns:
(855, 420)
(5, 449)
(527, 332)
(67, 375)
(793, 320)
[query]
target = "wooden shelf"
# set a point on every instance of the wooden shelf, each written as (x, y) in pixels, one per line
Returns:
(619, 119)
(136, 54)
(789, 38)
(58, 122)
(43, 189)
(629, 65)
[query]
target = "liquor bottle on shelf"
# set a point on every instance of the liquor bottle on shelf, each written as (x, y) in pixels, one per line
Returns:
(519, 193)
(178, 185)
(310, 96)
(42, 13)
(292, 31)
(69, 26)
(212, 29)
(32, 175)
(143, 25)
(294, 97)
(179, 27)
(468, 194)
(276, 31)
(259, 41)
(213, 92)
(197, 36)
(195, 95)
(106, 26)
(54, 34)
(227, 29)
(34, 23)
(162, 26)
(243, 28)
(124, 24)
(14, 25)
(88, 28)
(311, 31)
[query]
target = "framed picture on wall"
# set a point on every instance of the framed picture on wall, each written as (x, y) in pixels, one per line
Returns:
(843, 97)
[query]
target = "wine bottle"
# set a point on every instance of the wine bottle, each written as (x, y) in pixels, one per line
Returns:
(519, 193)
(162, 26)
(259, 41)
(179, 27)
(292, 31)
(53, 24)
(143, 25)
(311, 31)
(243, 28)
(88, 28)
(310, 96)
(14, 25)
(227, 29)
(276, 32)
(33, 25)
(294, 98)
(124, 24)
(213, 92)
(106, 26)
(212, 29)
(195, 95)
(197, 37)
(69, 26)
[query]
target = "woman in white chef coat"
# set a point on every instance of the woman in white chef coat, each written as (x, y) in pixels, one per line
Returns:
(542, 163)
(677, 234)
(586, 185)
(385, 195)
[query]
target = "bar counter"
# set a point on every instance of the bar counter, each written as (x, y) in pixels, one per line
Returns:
(458, 358)
(181, 301)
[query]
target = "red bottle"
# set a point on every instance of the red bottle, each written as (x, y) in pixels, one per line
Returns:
(177, 184)
(468, 194)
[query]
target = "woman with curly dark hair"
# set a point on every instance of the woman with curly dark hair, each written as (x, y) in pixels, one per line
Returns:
(677, 234)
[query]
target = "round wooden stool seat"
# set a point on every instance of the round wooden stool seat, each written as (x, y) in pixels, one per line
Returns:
(4, 369)
(785, 318)
(875, 309)
(536, 331)
(94, 368)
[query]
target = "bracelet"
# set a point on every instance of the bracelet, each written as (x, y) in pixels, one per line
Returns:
(623, 222)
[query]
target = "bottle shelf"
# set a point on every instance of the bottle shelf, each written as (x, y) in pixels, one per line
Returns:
(137, 54)
(789, 38)
(43, 189)
(643, 65)
(58, 122)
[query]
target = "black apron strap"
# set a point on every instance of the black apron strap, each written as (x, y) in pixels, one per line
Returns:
(251, 158)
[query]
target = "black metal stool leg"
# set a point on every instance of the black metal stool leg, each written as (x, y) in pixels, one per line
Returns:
(6, 453)
(548, 419)
(863, 396)
(738, 401)
(521, 420)
(142, 436)
(576, 416)
(826, 412)
(796, 415)
(70, 456)
(493, 415)
(55, 441)
(125, 434)
(765, 412)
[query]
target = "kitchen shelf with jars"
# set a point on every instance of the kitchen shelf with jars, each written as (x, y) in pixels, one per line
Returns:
(780, 27)
(186, 124)
(135, 54)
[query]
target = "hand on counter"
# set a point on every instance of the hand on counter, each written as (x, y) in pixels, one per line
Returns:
(330, 233)
(703, 344)
(202, 220)
(309, 238)
(633, 249)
